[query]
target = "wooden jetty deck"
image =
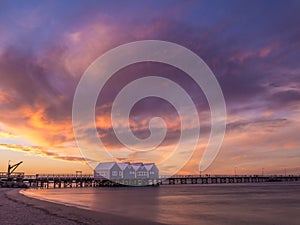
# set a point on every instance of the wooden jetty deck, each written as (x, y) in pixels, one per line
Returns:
(88, 180)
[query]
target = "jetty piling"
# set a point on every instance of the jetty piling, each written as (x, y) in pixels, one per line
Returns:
(88, 180)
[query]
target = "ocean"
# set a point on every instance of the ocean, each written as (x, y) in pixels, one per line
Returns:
(263, 203)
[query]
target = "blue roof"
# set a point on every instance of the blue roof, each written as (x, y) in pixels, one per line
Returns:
(105, 165)
(149, 166)
(123, 165)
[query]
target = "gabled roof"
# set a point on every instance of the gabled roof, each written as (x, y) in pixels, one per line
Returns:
(149, 166)
(136, 166)
(105, 165)
(123, 165)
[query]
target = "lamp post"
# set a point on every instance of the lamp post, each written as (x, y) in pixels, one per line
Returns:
(285, 172)
(200, 170)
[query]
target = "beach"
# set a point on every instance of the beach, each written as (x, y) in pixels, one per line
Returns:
(16, 208)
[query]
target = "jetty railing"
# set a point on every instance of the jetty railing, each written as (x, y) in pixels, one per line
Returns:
(88, 180)
(12, 175)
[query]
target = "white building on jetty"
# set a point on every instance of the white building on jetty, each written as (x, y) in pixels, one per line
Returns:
(153, 172)
(117, 171)
(109, 170)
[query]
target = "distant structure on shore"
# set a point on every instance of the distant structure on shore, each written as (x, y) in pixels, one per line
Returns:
(128, 171)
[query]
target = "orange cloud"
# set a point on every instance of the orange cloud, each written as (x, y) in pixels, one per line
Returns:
(45, 151)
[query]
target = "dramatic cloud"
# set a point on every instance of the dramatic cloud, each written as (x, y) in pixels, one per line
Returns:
(252, 48)
(44, 151)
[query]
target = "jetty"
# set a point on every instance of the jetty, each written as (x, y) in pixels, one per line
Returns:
(79, 180)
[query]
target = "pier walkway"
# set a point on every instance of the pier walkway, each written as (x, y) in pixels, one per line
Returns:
(88, 180)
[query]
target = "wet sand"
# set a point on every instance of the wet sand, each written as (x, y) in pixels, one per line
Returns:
(16, 208)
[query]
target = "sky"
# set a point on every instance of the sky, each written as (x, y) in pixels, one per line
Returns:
(252, 47)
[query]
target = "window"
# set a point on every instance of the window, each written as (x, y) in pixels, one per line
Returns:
(120, 173)
(142, 173)
(114, 173)
(103, 174)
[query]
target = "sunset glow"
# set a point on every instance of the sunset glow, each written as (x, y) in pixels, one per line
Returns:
(253, 50)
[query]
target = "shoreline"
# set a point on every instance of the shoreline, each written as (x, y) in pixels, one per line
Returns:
(17, 208)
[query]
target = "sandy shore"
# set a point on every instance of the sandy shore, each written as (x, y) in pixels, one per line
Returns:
(16, 208)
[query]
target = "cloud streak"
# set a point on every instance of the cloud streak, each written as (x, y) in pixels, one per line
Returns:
(44, 151)
(45, 49)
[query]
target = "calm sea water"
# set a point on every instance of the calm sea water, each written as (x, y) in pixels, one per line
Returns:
(266, 203)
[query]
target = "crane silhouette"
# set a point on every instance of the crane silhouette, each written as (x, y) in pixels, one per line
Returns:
(12, 168)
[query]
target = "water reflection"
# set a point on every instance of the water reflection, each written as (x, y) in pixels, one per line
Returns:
(267, 203)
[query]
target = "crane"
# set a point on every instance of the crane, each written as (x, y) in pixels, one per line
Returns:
(12, 168)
